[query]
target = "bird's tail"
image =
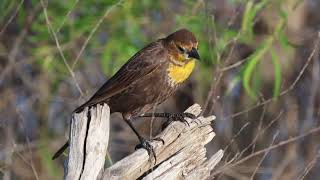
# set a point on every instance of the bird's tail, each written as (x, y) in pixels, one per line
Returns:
(66, 145)
(80, 108)
(61, 150)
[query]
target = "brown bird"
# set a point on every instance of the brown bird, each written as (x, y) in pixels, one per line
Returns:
(149, 77)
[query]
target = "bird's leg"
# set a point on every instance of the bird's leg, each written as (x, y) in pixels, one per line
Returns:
(143, 142)
(171, 117)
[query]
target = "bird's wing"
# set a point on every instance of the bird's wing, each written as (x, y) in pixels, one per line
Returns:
(141, 64)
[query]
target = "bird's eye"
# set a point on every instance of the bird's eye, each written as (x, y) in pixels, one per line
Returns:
(180, 49)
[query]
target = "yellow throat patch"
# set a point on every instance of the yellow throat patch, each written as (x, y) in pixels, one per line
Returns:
(179, 73)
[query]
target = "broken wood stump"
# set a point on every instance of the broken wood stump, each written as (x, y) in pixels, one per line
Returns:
(183, 156)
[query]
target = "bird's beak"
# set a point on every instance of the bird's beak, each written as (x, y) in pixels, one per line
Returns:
(194, 54)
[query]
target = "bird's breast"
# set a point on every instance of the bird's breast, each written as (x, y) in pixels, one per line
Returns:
(179, 73)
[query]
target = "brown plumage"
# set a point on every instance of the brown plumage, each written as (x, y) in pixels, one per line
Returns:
(147, 79)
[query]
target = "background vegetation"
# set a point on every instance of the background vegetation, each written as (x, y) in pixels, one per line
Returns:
(259, 75)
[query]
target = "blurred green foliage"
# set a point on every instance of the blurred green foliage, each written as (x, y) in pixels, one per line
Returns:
(126, 29)
(266, 47)
(121, 34)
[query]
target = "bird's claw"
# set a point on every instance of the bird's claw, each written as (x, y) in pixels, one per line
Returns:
(158, 139)
(145, 144)
(181, 117)
(189, 115)
(178, 117)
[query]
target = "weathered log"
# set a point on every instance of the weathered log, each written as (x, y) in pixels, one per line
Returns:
(89, 137)
(183, 156)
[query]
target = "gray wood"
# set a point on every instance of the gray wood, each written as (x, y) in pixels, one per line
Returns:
(87, 162)
(183, 156)
(183, 153)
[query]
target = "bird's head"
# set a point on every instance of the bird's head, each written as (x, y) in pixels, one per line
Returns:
(182, 46)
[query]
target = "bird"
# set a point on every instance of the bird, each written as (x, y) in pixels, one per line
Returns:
(147, 79)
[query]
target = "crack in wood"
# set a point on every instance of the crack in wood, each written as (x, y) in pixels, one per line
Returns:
(183, 156)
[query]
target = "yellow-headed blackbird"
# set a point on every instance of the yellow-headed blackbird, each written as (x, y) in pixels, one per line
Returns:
(147, 79)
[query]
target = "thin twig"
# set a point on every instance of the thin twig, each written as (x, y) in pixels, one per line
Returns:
(264, 156)
(66, 17)
(236, 135)
(309, 166)
(11, 17)
(291, 87)
(17, 44)
(23, 122)
(218, 73)
(234, 65)
(93, 31)
(257, 153)
(260, 133)
(259, 126)
(50, 29)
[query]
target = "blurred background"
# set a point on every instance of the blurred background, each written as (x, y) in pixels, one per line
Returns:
(259, 75)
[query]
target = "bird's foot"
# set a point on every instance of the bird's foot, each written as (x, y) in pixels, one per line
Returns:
(145, 144)
(158, 139)
(171, 117)
(177, 117)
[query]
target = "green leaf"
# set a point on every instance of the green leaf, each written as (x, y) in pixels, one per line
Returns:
(250, 13)
(283, 39)
(283, 13)
(259, 6)
(247, 21)
(256, 79)
(253, 61)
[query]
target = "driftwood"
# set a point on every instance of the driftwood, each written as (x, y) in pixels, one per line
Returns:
(183, 156)
(89, 139)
